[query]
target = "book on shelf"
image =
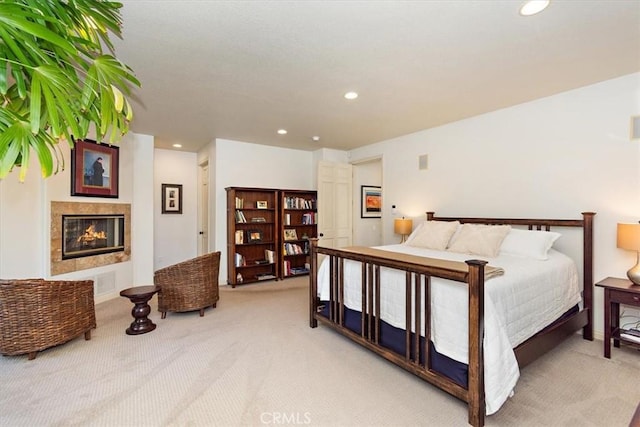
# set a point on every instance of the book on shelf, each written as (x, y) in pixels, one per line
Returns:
(286, 268)
(265, 276)
(240, 260)
(287, 219)
(309, 218)
(299, 203)
(239, 203)
(270, 256)
(239, 237)
(292, 249)
(240, 217)
(298, 270)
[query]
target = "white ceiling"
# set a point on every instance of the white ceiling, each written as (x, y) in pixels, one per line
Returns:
(241, 70)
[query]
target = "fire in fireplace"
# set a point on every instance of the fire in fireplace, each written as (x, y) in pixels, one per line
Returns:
(87, 235)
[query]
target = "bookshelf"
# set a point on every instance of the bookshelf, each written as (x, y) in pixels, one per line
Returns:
(252, 238)
(298, 223)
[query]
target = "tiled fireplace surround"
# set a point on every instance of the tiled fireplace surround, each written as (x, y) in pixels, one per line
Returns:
(60, 266)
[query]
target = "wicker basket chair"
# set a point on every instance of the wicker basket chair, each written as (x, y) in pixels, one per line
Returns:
(36, 314)
(189, 285)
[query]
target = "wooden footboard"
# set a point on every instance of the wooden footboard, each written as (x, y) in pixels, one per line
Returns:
(419, 272)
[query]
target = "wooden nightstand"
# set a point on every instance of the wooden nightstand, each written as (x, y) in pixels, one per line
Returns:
(616, 292)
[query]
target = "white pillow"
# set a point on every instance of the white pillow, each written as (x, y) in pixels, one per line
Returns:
(479, 239)
(529, 243)
(433, 234)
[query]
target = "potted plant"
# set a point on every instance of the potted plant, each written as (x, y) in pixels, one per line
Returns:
(58, 79)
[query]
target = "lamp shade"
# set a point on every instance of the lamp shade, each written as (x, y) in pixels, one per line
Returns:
(403, 226)
(629, 236)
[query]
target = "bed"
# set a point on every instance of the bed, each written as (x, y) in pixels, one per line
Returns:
(465, 323)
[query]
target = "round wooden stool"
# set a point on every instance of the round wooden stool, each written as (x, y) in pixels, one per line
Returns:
(140, 296)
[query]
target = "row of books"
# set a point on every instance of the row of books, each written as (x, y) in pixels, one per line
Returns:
(239, 203)
(292, 271)
(269, 258)
(310, 218)
(299, 203)
(292, 249)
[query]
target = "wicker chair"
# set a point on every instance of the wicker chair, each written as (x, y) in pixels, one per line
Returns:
(189, 285)
(36, 314)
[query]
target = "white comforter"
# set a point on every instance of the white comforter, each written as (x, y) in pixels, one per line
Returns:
(529, 296)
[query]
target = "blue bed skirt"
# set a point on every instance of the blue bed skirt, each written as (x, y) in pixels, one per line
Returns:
(393, 338)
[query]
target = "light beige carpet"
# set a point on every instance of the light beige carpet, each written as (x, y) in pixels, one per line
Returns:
(254, 361)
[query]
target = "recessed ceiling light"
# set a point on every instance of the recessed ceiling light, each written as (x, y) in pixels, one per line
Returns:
(315, 138)
(282, 131)
(533, 6)
(177, 145)
(351, 95)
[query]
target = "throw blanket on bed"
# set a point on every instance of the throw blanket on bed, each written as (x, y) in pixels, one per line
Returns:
(525, 298)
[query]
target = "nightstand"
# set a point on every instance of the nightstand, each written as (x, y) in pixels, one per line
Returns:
(616, 292)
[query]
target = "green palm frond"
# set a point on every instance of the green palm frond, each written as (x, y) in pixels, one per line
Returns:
(56, 80)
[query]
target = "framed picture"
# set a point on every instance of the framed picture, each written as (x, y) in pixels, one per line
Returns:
(254, 236)
(290, 234)
(261, 204)
(171, 198)
(371, 202)
(94, 169)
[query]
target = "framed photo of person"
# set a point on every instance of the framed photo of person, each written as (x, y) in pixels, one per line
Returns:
(94, 169)
(171, 198)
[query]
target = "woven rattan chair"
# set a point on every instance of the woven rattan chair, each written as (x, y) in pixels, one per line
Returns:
(36, 314)
(189, 285)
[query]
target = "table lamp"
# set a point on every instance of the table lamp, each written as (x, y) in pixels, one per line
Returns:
(629, 238)
(403, 226)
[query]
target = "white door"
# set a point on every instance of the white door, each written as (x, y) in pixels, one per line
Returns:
(203, 234)
(334, 204)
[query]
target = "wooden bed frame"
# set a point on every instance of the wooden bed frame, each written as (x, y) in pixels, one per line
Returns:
(471, 272)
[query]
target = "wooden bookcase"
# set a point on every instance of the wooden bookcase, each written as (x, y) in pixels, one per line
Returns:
(268, 232)
(298, 223)
(252, 237)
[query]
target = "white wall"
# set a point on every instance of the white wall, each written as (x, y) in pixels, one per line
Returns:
(175, 236)
(25, 212)
(550, 158)
(366, 231)
(241, 164)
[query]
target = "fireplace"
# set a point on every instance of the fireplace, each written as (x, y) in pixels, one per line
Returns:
(88, 235)
(106, 252)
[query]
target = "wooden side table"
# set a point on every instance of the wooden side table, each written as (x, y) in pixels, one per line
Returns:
(140, 296)
(616, 292)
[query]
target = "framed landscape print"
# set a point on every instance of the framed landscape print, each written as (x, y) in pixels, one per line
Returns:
(94, 169)
(171, 198)
(371, 202)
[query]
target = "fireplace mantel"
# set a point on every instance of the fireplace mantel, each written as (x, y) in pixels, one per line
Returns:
(58, 209)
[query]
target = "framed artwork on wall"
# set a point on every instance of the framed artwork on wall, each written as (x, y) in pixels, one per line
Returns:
(94, 169)
(171, 198)
(371, 202)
